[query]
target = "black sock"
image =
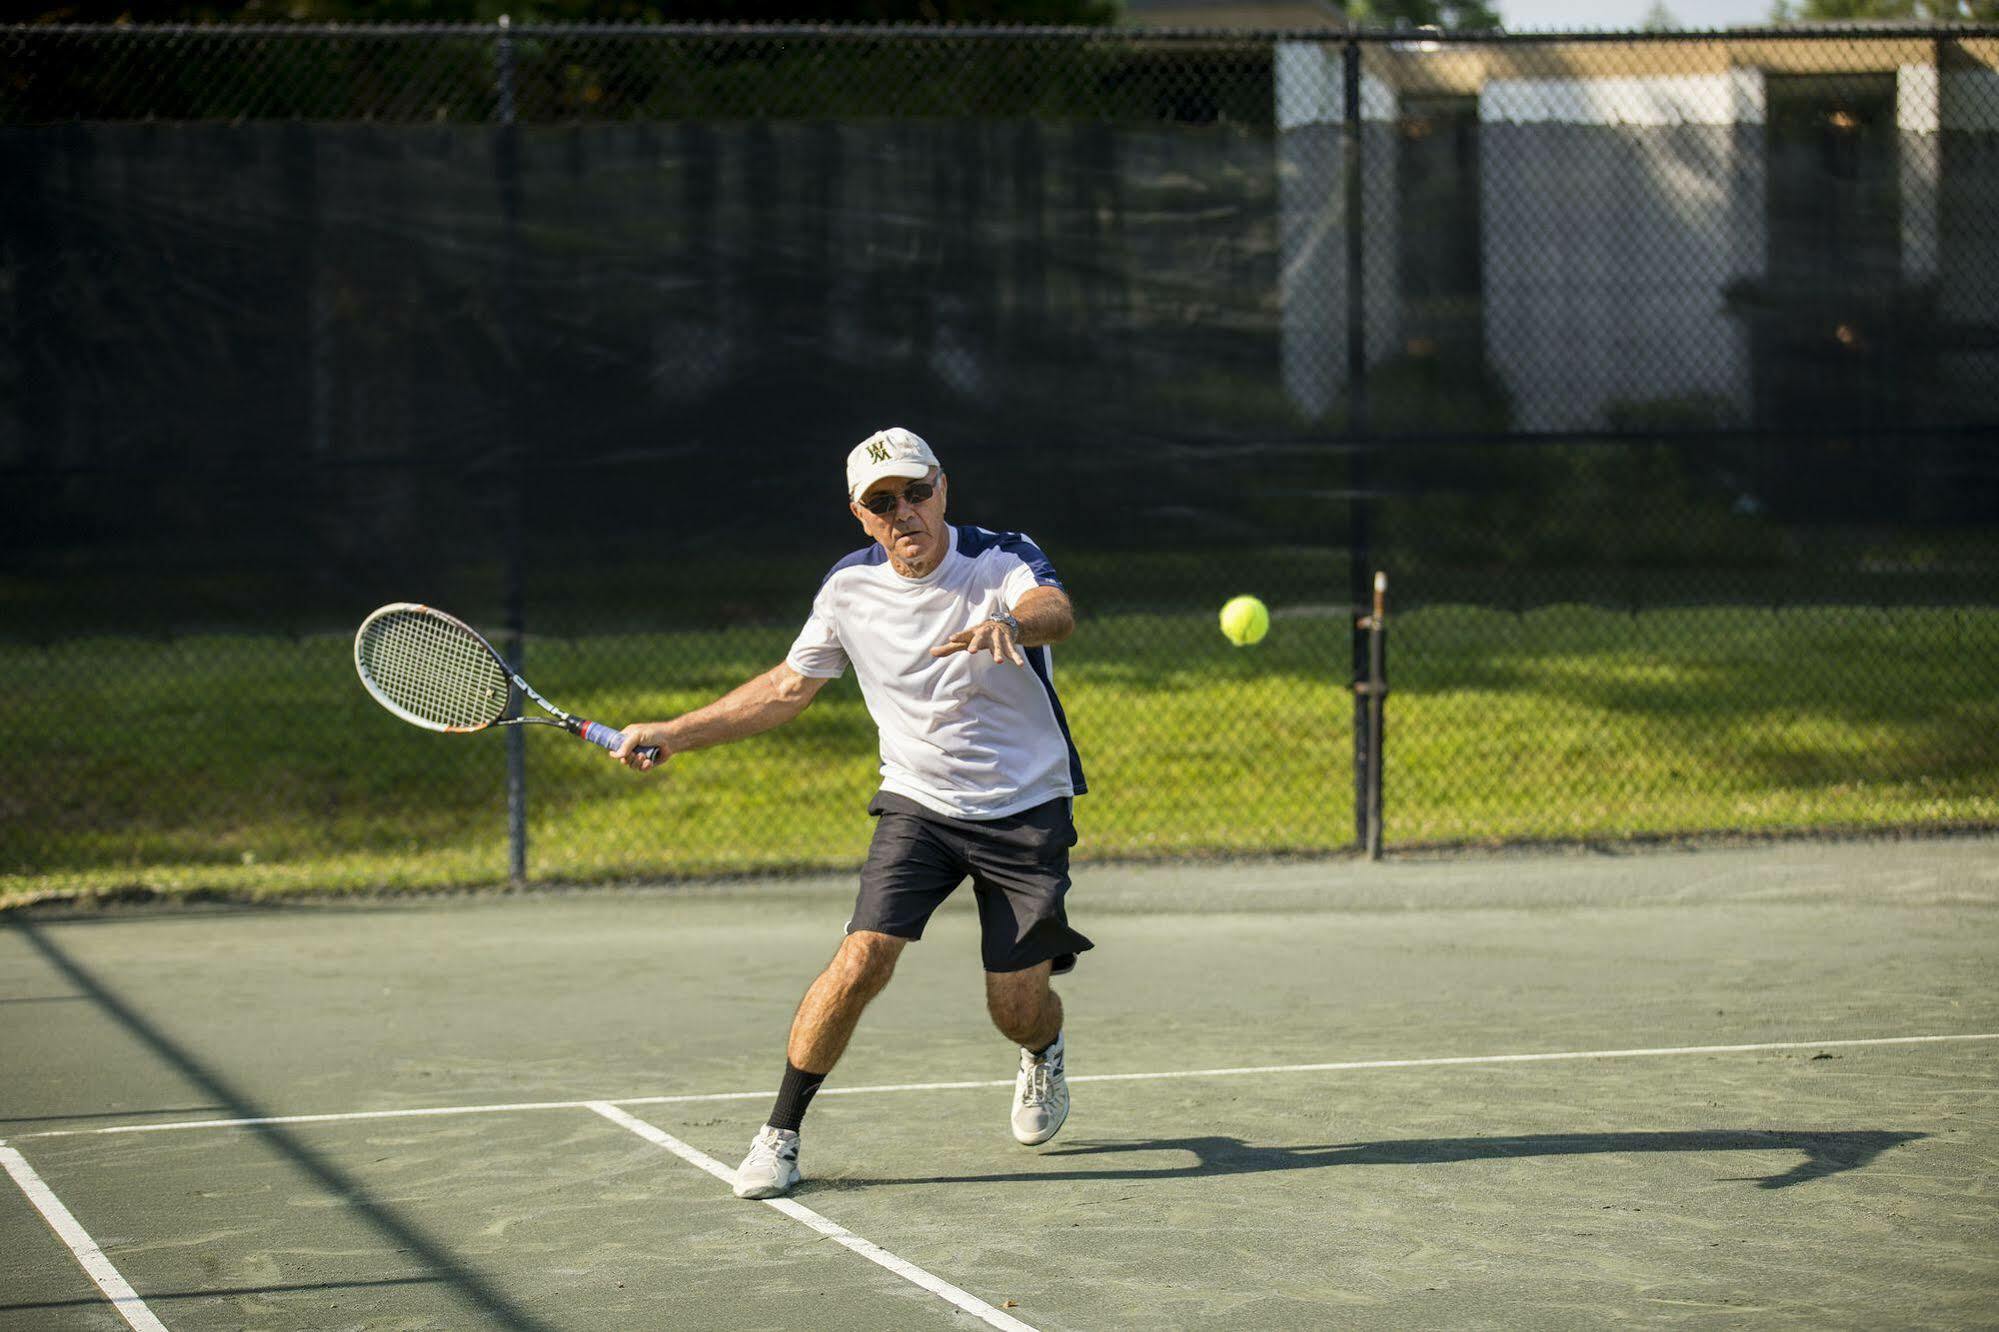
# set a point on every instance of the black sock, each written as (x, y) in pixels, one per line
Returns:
(793, 1096)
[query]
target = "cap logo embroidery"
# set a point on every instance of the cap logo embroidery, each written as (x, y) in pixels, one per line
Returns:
(877, 452)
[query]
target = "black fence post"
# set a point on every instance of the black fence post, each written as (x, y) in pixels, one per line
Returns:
(1358, 518)
(1376, 694)
(507, 171)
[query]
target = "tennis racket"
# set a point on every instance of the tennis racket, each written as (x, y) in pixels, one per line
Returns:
(436, 671)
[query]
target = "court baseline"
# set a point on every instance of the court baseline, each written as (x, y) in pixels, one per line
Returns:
(1347, 1066)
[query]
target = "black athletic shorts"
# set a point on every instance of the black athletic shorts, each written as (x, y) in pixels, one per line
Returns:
(1019, 867)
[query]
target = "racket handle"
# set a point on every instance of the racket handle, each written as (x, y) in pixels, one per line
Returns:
(605, 738)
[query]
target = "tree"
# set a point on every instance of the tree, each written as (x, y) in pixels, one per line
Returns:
(1084, 12)
(1660, 19)
(1906, 11)
(1460, 15)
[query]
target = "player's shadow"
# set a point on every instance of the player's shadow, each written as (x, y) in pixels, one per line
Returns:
(1825, 1153)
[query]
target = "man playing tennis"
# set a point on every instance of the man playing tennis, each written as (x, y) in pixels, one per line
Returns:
(948, 631)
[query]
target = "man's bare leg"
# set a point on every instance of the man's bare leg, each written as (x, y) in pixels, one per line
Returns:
(820, 1030)
(1022, 1006)
(833, 1005)
(1029, 1014)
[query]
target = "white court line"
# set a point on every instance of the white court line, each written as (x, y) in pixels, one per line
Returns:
(91, 1258)
(874, 1253)
(342, 1116)
(1349, 1066)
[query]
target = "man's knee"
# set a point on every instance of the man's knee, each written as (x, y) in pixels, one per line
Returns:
(1017, 998)
(865, 961)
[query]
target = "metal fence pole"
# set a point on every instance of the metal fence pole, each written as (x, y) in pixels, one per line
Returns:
(1358, 536)
(1377, 719)
(506, 166)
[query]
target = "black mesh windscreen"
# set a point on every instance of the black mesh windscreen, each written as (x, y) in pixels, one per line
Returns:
(578, 325)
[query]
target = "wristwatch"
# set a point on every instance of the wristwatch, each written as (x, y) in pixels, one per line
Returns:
(1013, 625)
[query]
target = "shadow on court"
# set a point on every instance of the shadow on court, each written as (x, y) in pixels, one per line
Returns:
(6, 1120)
(160, 1296)
(1825, 1153)
(495, 1309)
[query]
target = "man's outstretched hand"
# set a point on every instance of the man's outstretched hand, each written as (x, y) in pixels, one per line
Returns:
(986, 636)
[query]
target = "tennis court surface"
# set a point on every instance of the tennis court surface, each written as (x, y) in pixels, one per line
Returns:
(1737, 1085)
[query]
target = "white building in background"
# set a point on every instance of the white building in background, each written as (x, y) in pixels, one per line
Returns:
(1616, 205)
(1605, 257)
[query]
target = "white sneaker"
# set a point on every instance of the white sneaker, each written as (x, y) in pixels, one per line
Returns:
(1040, 1096)
(771, 1168)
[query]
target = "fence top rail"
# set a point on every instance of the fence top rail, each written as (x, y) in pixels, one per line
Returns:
(1815, 32)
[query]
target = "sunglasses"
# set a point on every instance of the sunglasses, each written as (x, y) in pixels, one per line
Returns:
(882, 505)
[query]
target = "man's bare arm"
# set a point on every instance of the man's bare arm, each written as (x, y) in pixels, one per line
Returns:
(1045, 615)
(751, 708)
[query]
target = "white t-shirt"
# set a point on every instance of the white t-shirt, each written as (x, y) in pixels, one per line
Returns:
(963, 735)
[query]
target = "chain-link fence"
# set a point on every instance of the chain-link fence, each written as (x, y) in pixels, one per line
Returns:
(1660, 374)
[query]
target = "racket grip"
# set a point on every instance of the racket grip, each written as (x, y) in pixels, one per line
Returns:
(604, 737)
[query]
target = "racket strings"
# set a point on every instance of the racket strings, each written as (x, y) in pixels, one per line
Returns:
(434, 670)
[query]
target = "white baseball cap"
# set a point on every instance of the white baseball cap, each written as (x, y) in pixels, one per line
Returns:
(890, 452)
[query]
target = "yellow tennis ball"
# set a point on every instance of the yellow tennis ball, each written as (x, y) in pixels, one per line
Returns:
(1245, 620)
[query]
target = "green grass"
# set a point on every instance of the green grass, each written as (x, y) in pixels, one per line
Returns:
(256, 765)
